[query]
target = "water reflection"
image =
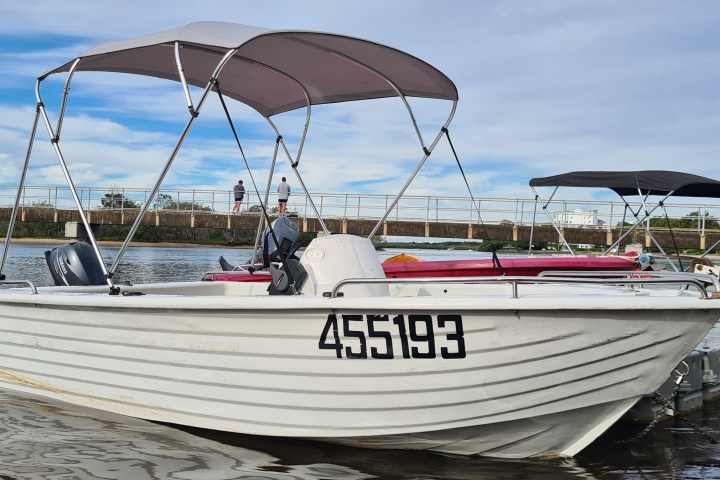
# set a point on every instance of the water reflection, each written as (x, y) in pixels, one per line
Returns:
(673, 449)
(397, 464)
(45, 439)
(42, 438)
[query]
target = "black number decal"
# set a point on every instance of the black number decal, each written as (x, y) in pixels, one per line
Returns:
(372, 333)
(359, 334)
(323, 343)
(400, 322)
(417, 337)
(425, 337)
(456, 336)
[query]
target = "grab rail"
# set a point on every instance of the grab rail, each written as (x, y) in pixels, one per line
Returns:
(515, 281)
(31, 285)
(702, 277)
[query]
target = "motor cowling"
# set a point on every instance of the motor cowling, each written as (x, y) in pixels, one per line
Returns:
(287, 235)
(75, 264)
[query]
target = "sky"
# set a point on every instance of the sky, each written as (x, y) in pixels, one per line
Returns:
(545, 87)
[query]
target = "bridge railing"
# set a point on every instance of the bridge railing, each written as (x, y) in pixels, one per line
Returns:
(425, 208)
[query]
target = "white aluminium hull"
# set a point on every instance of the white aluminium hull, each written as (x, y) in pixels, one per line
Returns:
(503, 377)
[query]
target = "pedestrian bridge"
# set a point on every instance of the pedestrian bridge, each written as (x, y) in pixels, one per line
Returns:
(459, 218)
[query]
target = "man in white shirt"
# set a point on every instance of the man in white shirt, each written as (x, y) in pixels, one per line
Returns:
(283, 195)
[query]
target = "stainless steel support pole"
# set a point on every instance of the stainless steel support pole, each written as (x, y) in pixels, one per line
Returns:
(21, 185)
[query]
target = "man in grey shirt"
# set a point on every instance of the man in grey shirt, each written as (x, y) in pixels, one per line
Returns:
(239, 192)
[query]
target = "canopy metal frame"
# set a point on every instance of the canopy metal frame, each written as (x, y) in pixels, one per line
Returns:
(639, 221)
(643, 184)
(442, 89)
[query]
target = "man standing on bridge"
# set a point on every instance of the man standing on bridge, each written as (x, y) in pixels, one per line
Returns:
(239, 192)
(283, 195)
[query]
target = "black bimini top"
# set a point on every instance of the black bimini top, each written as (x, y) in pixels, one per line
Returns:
(642, 182)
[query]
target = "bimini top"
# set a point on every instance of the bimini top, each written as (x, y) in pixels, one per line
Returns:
(643, 182)
(270, 65)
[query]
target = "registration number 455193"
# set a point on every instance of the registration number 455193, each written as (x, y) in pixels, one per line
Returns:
(379, 336)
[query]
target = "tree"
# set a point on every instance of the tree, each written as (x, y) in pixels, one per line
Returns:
(166, 202)
(162, 201)
(193, 206)
(691, 220)
(187, 207)
(117, 200)
(258, 209)
(378, 241)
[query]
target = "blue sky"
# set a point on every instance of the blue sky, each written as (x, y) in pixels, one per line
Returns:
(545, 87)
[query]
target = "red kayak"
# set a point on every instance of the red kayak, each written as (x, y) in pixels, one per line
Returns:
(521, 266)
(406, 266)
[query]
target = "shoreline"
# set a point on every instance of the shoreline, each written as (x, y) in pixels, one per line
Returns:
(118, 243)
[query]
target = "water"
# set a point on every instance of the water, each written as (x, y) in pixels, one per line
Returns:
(138, 264)
(45, 439)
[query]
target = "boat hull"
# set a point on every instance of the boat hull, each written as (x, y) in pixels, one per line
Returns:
(533, 377)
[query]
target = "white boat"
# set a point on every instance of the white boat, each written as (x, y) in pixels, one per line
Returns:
(499, 366)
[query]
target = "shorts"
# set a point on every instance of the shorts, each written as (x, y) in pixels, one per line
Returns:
(238, 199)
(282, 200)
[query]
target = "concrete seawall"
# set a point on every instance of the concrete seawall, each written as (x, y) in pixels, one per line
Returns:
(504, 231)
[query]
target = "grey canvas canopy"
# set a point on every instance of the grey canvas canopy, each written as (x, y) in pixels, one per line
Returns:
(271, 68)
(642, 182)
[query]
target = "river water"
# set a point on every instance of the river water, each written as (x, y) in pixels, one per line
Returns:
(45, 439)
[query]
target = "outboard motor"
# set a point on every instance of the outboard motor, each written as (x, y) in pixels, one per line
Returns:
(75, 264)
(286, 232)
(290, 276)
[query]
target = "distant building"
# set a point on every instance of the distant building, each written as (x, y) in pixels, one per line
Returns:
(578, 218)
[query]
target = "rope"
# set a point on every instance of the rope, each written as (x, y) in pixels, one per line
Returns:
(669, 405)
(666, 403)
(495, 259)
(659, 415)
(672, 237)
(237, 141)
(283, 257)
(622, 224)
